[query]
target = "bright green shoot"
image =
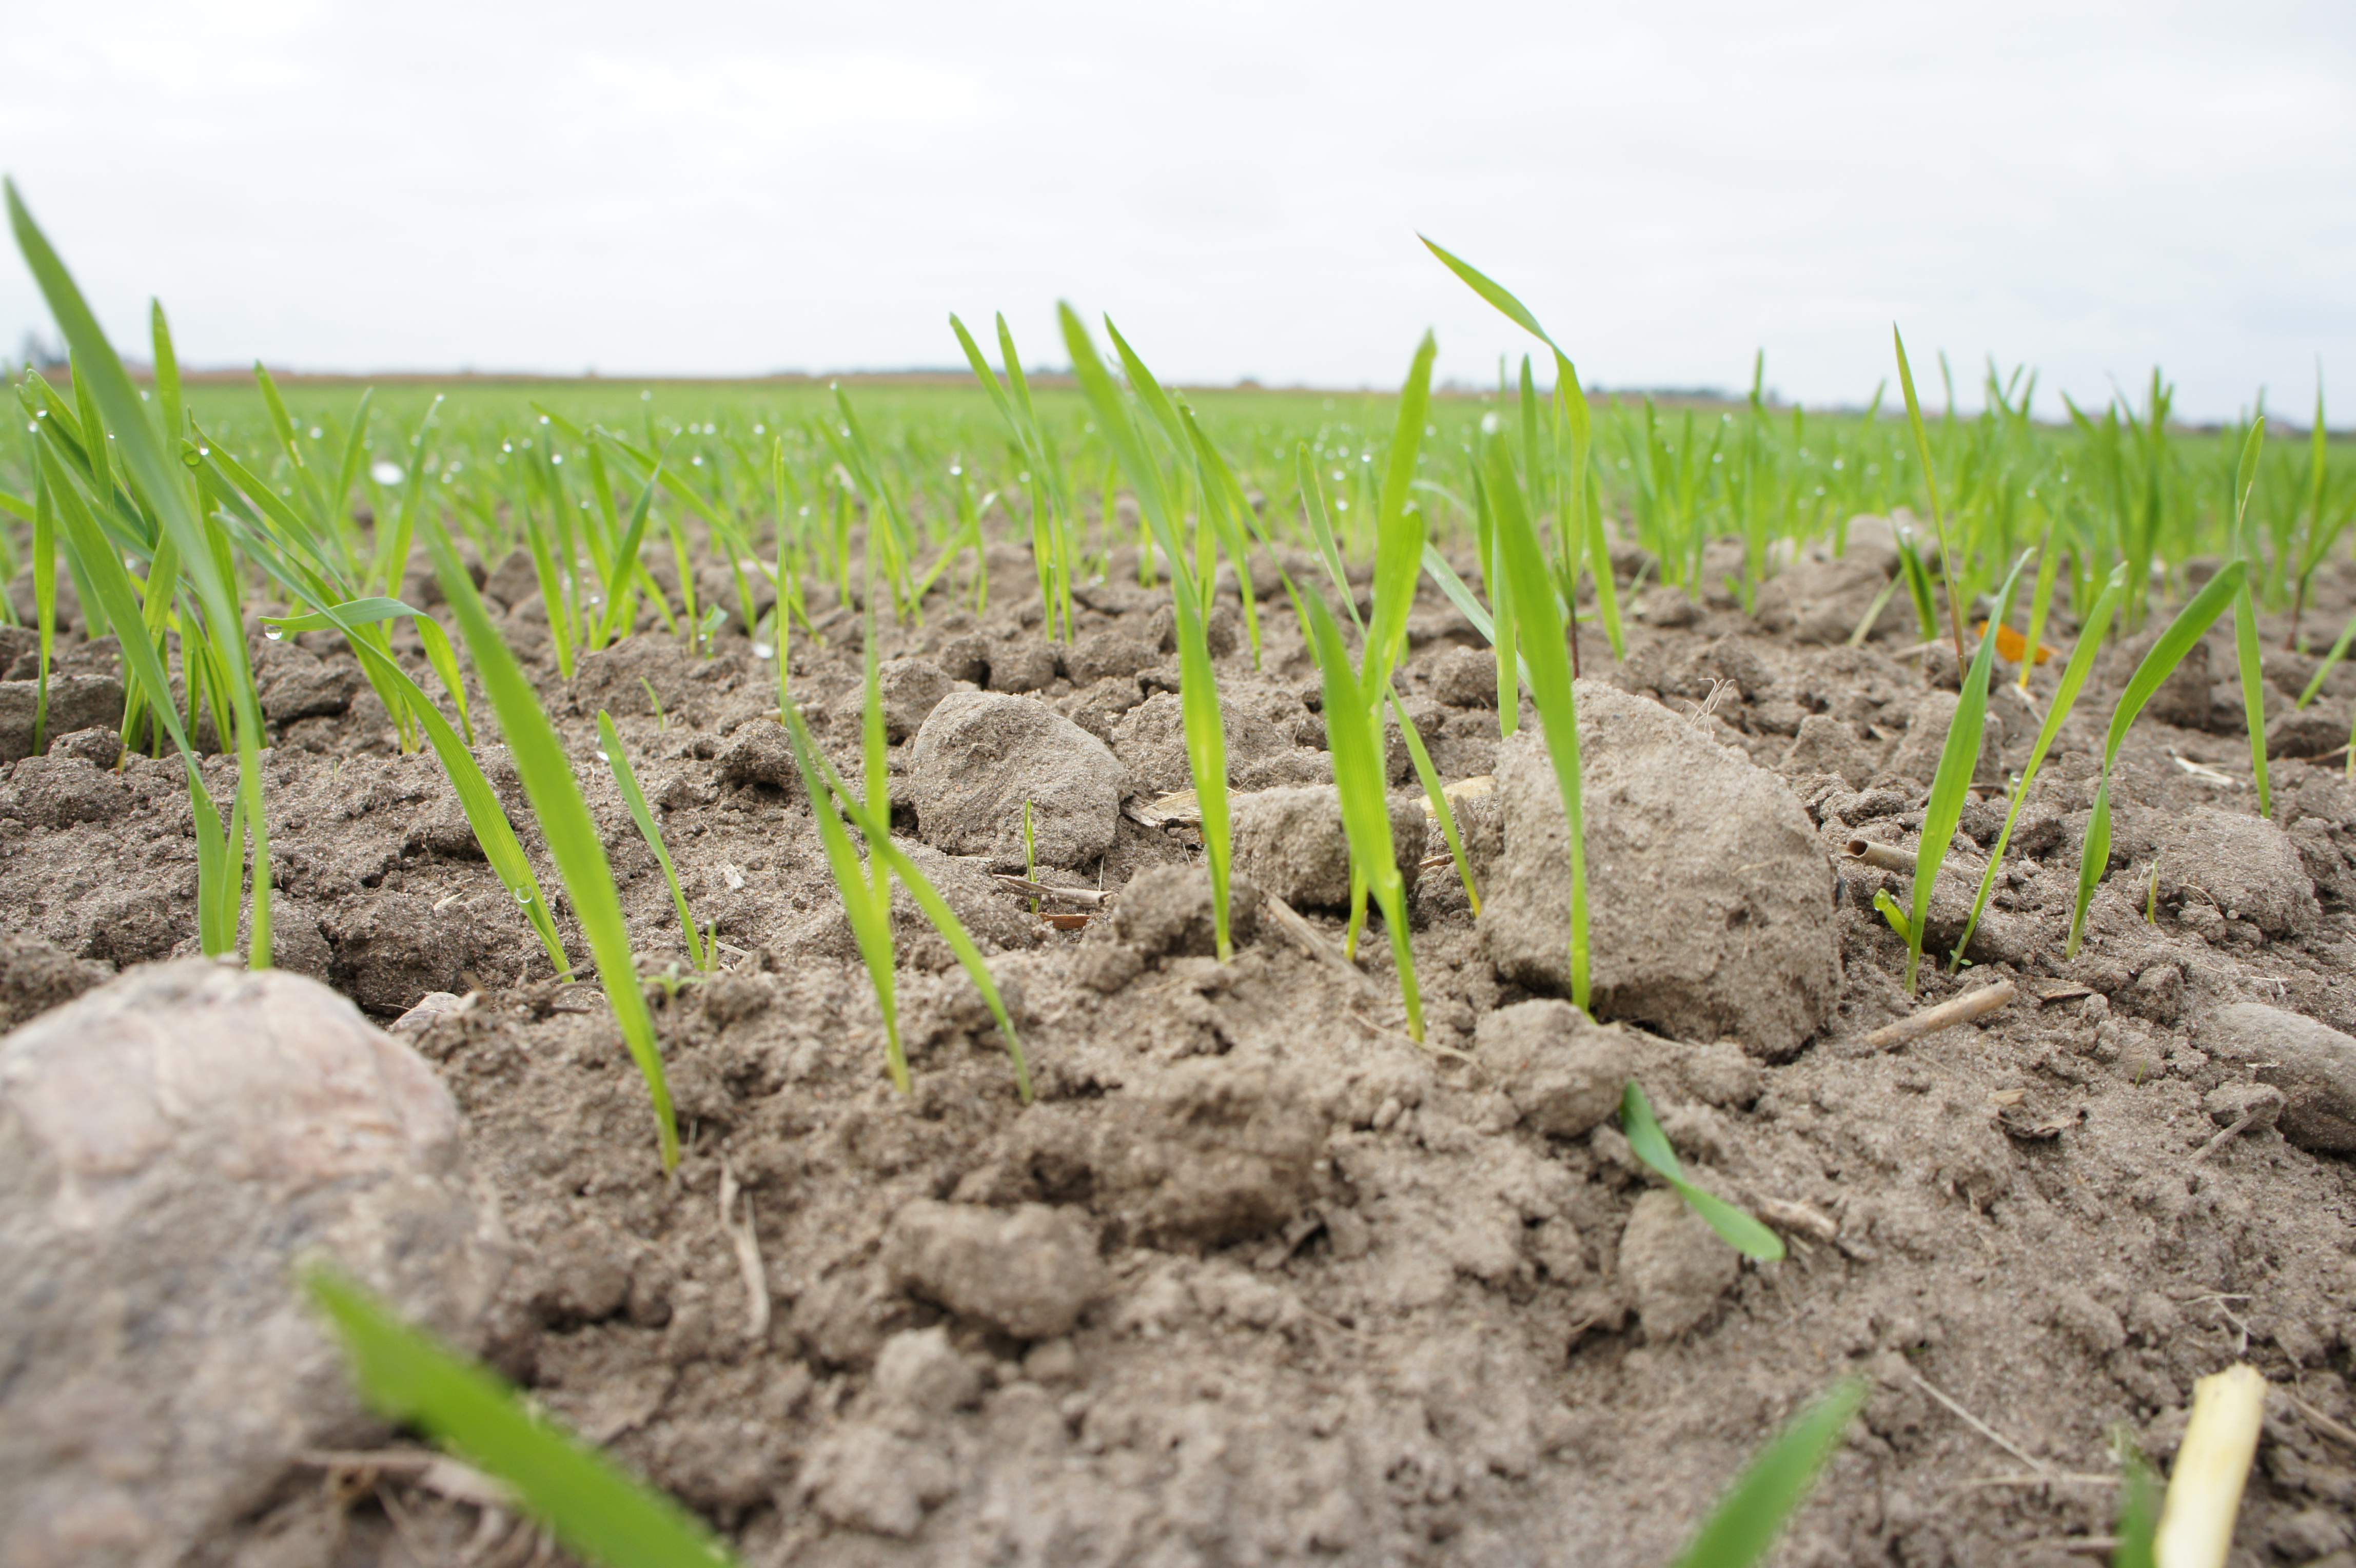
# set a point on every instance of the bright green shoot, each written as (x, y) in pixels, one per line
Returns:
(1198, 694)
(1579, 482)
(869, 916)
(45, 600)
(2191, 625)
(2246, 618)
(1948, 563)
(164, 489)
(1744, 1526)
(2065, 698)
(2331, 662)
(596, 1510)
(1357, 753)
(1953, 783)
(1546, 657)
(609, 746)
(1741, 1232)
(565, 820)
(828, 794)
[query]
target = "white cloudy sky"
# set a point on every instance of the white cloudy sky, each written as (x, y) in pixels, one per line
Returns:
(715, 188)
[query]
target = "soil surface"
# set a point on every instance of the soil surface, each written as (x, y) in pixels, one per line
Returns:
(1256, 1280)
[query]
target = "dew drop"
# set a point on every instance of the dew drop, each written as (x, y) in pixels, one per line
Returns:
(387, 473)
(763, 651)
(523, 896)
(273, 632)
(317, 433)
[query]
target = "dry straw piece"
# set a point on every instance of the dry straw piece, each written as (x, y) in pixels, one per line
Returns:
(2212, 1465)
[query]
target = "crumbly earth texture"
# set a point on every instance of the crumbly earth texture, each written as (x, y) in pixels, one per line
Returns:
(1256, 1279)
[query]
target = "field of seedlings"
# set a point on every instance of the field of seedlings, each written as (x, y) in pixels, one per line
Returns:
(1057, 970)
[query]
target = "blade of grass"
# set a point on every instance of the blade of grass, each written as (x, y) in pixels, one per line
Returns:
(819, 777)
(1958, 762)
(2192, 623)
(1948, 563)
(1744, 1526)
(593, 1506)
(565, 820)
(1739, 1230)
(1365, 809)
(1547, 660)
(2065, 698)
(168, 497)
(2246, 619)
(609, 745)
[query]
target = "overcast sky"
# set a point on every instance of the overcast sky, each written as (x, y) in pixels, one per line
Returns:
(714, 188)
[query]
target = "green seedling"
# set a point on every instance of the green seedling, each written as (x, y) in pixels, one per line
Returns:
(829, 794)
(1570, 399)
(565, 820)
(1544, 652)
(1357, 753)
(1030, 855)
(1198, 694)
(1953, 783)
(2151, 895)
(1744, 1527)
(2331, 662)
(2192, 623)
(594, 1508)
(165, 494)
(1938, 516)
(1741, 1232)
(45, 603)
(2246, 619)
(609, 746)
(2139, 1506)
(2065, 699)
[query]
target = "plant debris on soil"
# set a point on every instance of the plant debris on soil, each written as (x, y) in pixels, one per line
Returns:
(1256, 1279)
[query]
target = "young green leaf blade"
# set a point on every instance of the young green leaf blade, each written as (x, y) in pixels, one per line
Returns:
(592, 1505)
(1365, 809)
(564, 820)
(1546, 660)
(1739, 1230)
(1746, 1522)
(1952, 782)
(609, 741)
(2065, 699)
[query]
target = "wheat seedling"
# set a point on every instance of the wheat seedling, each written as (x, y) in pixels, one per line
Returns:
(1744, 1526)
(565, 820)
(1740, 1231)
(2192, 623)
(1958, 760)
(609, 746)
(588, 1503)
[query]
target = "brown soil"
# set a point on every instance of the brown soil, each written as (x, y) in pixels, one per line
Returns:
(1333, 1297)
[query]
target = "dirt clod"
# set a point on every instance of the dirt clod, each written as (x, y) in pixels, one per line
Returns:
(981, 755)
(1167, 912)
(1563, 1073)
(1029, 1273)
(1675, 1264)
(1292, 845)
(1711, 903)
(2313, 1065)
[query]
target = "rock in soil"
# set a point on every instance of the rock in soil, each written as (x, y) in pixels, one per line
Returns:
(171, 1145)
(1827, 745)
(1293, 846)
(2313, 1065)
(2243, 866)
(36, 976)
(1029, 1273)
(1710, 902)
(981, 754)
